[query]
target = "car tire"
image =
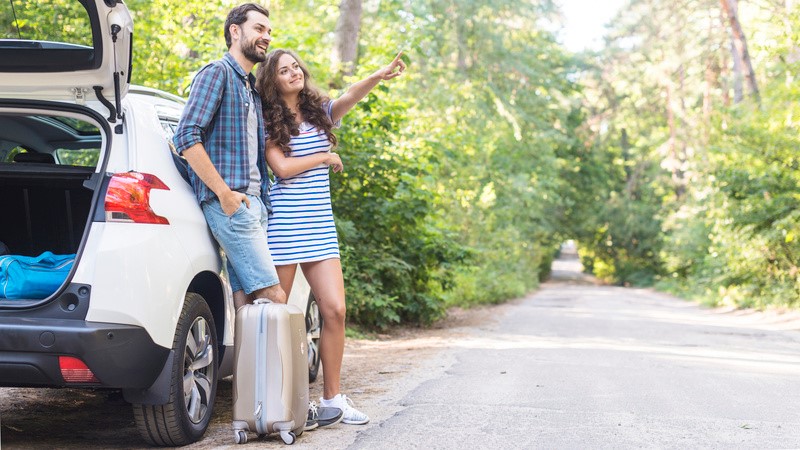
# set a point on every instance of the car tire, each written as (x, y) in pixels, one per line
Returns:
(313, 330)
(193, 381)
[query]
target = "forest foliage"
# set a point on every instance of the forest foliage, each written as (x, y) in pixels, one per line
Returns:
(701, 154)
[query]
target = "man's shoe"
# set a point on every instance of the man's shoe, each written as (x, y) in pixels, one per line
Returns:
(323, 416)
(350, 414)
(310, 425)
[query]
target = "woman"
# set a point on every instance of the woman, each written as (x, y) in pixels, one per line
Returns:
(299, 122)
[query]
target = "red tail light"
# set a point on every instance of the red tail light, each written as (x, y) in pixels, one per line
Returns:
(75, 371)
(128, 198)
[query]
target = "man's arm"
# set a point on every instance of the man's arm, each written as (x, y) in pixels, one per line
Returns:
(205, 97)
(197, 157)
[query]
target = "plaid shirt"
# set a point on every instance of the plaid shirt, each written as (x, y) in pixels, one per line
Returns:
(216, 116)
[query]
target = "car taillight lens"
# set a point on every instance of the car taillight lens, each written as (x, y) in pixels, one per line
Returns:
(75, 371)
(128, 198)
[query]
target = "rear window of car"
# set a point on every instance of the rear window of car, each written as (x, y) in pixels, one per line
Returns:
(86, 157)
(63, 21)
(49, 139)
(48, 35)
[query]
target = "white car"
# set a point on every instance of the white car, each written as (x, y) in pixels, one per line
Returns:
(86, 168)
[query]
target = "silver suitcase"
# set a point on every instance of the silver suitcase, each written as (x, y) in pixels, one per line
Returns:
(270, 382)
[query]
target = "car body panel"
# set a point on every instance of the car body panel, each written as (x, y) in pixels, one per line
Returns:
(300, 290)
(120, 356)
(130, 267)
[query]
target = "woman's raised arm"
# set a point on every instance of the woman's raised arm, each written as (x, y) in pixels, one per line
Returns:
(361, 88)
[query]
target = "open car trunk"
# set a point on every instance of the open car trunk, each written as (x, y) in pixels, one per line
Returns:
(48, 179)
(43, 211)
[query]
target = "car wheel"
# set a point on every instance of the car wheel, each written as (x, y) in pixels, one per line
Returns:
(313, 329)
(193, 385)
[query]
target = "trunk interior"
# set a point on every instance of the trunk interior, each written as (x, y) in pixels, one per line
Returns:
(43, 213)
(47, 163)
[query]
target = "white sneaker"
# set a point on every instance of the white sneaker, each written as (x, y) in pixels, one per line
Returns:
(351, 414)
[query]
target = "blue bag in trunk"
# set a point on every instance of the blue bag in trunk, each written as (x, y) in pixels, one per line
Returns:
(33, 277)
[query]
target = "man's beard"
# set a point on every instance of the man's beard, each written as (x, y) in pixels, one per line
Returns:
(251, 52)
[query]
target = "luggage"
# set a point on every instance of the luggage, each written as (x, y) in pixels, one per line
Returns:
(33, 277)
(270, 381)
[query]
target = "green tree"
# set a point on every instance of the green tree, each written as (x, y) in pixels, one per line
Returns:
(717, 181)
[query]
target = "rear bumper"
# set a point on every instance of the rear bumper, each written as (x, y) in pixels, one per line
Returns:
(120, 356)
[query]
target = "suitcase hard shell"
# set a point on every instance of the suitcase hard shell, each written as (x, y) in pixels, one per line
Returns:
(270, 381)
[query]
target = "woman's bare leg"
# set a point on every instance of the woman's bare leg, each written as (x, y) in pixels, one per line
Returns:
(327, 284)
(286, 276)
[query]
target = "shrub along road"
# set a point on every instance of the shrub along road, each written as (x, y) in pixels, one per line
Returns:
(574, 365)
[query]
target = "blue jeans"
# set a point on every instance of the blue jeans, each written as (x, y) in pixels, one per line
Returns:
(243, 238)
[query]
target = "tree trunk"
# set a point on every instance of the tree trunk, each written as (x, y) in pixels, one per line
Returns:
(793, 55)
(740, 45)
(738, 86)
(723, 67)
(707, 107)
(712, 75)
(673, 160)
(345, 46)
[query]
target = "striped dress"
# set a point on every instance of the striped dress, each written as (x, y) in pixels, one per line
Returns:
(301, 227)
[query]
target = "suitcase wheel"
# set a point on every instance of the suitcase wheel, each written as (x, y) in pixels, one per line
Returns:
(240, 436)
(288, 437)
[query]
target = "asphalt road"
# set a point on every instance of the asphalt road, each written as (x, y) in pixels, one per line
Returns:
(578, 365)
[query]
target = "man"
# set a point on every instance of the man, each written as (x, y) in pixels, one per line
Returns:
(221, 135)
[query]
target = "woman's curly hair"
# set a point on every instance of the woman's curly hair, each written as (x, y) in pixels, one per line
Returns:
(278, 119)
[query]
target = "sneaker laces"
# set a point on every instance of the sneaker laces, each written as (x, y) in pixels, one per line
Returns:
(350, 408)
(312, 410)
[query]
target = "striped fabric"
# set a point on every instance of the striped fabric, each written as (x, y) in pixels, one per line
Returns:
(301, 227)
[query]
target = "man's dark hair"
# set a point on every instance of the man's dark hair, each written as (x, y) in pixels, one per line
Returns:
(238, 16)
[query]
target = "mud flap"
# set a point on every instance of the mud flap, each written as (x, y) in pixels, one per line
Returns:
(158, 392)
